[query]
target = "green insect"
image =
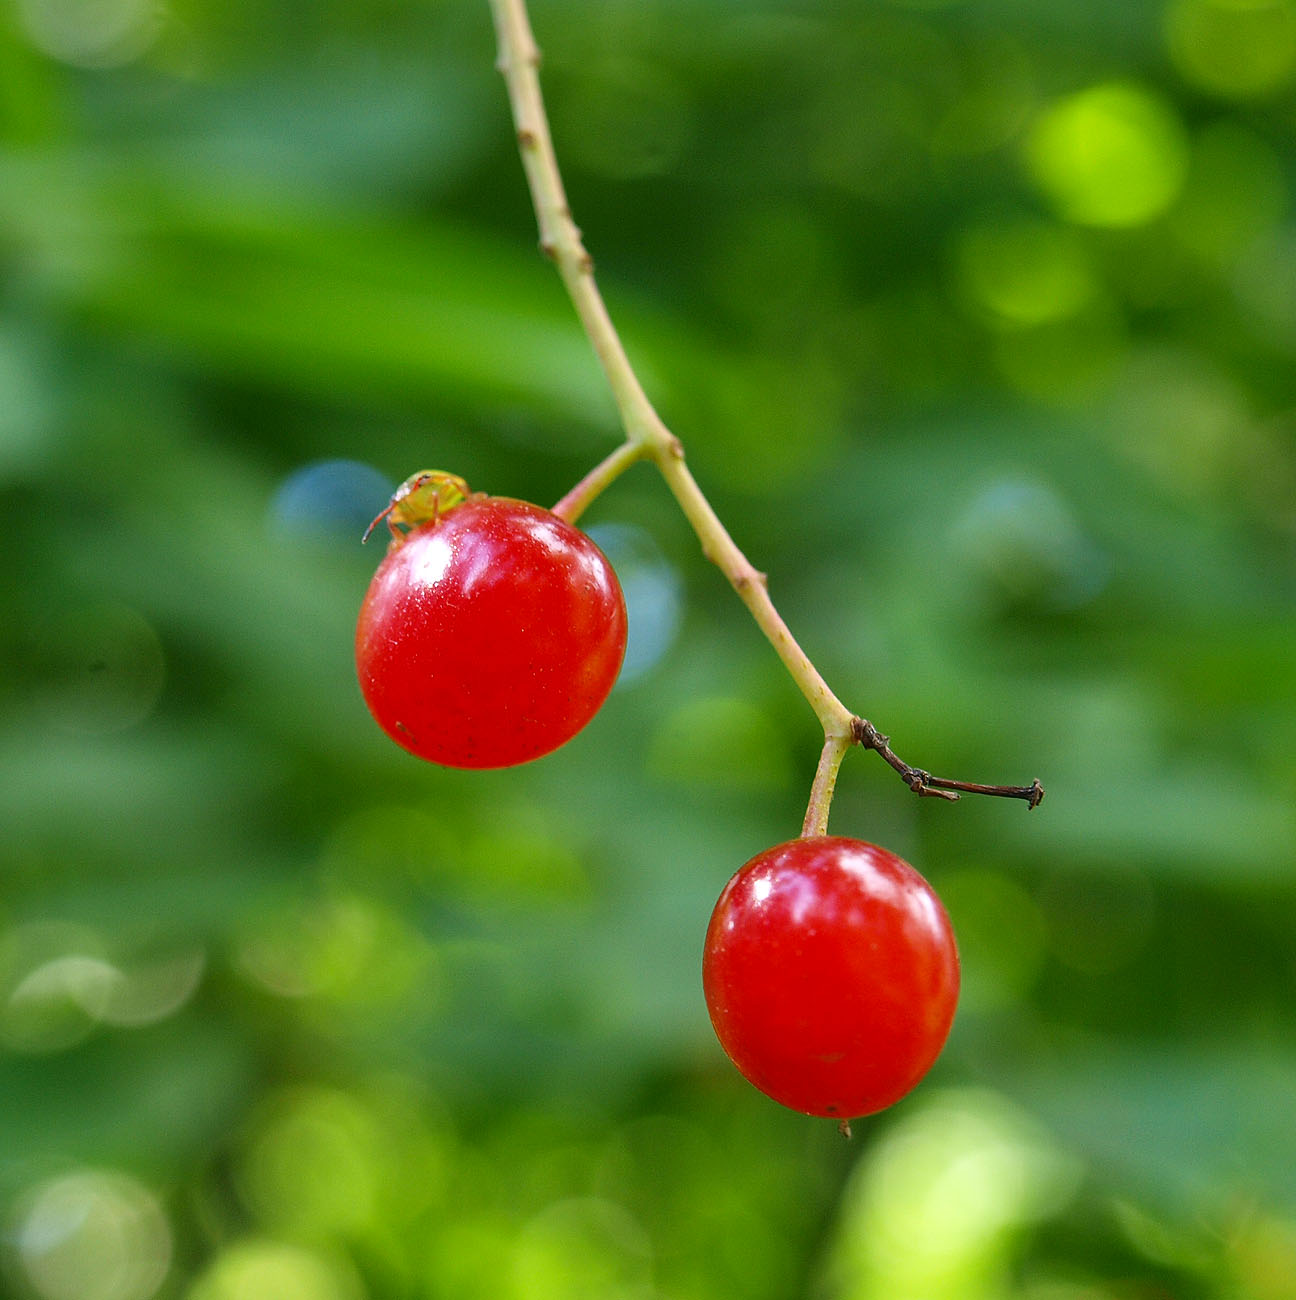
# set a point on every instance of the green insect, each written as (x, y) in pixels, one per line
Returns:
(423, 498)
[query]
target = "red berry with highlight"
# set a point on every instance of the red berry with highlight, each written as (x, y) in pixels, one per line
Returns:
(831, 975)
(491, 633)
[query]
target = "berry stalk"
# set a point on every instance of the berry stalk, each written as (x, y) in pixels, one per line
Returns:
(607, 471)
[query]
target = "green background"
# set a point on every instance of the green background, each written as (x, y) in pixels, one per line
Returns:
(978, 322)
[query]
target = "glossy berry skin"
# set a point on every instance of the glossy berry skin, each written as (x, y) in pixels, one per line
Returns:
(831, 975)
(490, 635)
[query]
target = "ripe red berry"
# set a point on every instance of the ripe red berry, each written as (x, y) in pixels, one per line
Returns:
(831, 975)
(491, 633)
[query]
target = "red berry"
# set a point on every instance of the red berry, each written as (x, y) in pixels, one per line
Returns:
(831, 975)
(490, 634)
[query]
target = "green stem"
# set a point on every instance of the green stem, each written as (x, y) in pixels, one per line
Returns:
(753, 591)
(647, 435)
(607, 471)
(560, 237)
(825, 782)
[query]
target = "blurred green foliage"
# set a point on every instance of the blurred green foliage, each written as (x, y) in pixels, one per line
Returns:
(978, 320)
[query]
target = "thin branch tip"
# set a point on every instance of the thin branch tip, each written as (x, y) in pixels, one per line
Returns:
(924, 784)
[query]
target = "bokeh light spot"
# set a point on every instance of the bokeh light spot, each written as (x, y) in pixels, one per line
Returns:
(389, 841)
(1112, 155)
(84, 982)
(933, 1210)
(520, 861)
(1262, 1257)
(150, 991)
(582, 1249)
(259, 1270)
(54, 984)
(1238, 49)
(653, 595)
(517, 856)
(92, 33)
(349, 950)
(1026, 542)
(329, 498)
(312, 1164)
(1024, 272)
(93, 1235)
(1180, 418)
